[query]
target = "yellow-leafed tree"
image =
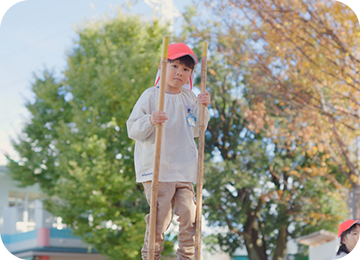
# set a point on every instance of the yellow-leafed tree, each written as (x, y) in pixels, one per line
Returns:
(304, 63)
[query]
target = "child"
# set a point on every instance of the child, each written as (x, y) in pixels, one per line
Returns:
(178, 161)
(349, 235)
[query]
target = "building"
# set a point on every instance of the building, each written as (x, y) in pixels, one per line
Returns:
(30, 232)
(322, 244)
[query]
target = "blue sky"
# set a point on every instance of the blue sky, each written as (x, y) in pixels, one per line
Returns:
(35, 34)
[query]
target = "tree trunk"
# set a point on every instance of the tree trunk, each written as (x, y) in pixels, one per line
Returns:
(354, 201)
(254, 245)
(281, 243)
(252, 249)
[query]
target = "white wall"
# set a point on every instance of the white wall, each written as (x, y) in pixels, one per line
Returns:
(215, 256)
(325, 251)
(7, 184)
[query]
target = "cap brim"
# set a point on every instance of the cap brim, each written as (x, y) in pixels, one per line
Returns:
(178, 55)
(352, 224)
(355, 222)
(349, 226)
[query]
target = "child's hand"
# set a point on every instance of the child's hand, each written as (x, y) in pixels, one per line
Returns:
(158, 117)
(204, 98)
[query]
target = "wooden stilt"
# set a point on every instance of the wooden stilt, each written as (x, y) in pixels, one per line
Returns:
(159, 127)
(199, 183)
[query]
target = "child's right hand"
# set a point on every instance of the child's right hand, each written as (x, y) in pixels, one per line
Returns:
(158, 117)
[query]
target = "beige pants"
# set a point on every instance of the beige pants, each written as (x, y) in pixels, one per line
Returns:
(177, 196)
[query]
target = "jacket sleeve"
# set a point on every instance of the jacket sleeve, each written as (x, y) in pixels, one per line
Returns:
(138, 124)
(197, 115)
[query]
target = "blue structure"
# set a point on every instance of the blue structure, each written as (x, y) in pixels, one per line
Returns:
(30, 232)
(46, 242)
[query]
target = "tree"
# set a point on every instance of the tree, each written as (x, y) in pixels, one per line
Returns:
(75, 145)
(304, 63)
(262, 188)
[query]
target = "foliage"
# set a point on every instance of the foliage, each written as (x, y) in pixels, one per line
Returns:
(304, 68)
(75, 144)
(263, 186)
(263, 190)
(284, 85)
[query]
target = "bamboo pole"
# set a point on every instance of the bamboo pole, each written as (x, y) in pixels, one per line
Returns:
(159, 127)
(199, 182)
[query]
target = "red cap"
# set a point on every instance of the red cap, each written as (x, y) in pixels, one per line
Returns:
(346, 225)
(177, 50)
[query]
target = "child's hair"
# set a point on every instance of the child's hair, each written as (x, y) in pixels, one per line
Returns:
(343, 247)
(186, 60)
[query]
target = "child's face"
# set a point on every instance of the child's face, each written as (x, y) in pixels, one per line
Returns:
(176, 76)
(351, 239)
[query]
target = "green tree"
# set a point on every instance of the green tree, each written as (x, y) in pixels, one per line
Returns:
(264, 190)
(75, 145)
(306, 70)
(261, 188)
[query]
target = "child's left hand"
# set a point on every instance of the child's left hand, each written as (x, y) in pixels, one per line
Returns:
(204, 98)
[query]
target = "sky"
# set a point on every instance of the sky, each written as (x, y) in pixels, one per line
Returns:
(35, 34)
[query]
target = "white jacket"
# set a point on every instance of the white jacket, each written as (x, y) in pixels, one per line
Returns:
(344, 256)
(178, 160)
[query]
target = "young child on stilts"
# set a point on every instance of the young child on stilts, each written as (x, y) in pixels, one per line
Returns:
(349, 235)
(178, 159)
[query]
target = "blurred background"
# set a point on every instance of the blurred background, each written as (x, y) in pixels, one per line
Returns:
(282, 164)
(36, 34)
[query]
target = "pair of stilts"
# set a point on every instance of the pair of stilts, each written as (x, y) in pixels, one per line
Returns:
(199, 186)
